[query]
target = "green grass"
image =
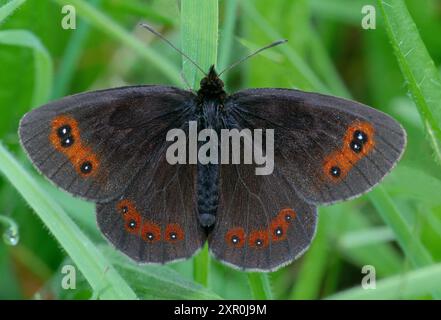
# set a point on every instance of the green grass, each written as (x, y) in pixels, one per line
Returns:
(418, 68)
(396, 227)
(96, 269)
(42, 62)
(9, 8)
(110, 27)
(410, 285)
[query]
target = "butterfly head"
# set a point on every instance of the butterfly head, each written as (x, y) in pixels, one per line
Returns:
(211, 86)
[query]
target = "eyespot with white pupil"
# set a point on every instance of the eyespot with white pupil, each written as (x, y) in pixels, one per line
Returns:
(279, 232)
(132, 224)
(124, 210)
(360, 136)
(259, 242)
(357, 147)
(64, 130)
(335, 172)
(67, 141)
(86, 167)
(150, 236)
(173, 236)
(235, 240)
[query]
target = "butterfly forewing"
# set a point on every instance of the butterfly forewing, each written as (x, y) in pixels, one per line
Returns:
(328, 148)
(93, 144)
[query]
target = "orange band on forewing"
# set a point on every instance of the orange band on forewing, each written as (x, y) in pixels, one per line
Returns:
(345, 158)
(78, 153)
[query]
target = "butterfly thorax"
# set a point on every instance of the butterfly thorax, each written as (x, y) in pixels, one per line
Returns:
(211, 88)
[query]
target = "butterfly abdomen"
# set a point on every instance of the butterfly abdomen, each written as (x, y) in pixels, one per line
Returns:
(207, 193)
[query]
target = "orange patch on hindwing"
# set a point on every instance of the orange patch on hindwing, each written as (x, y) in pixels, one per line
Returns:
(258, 239)
(151, 232)
(148, 230)
(125, 206)
(235, 237)
(173, 232)
(131, 216)
(65, 137)
(358, 142)
(287, 214)
(279, 225)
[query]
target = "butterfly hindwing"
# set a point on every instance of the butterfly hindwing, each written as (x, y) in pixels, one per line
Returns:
(262, 224)
(329, 149)
(155, 220)
(93, 144)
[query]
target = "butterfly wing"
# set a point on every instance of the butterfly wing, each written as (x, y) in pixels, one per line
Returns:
(155, 220)
(328, 148)
(262, 224)
(92, 144)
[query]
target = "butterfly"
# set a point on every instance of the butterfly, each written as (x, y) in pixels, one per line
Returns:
(110, 147)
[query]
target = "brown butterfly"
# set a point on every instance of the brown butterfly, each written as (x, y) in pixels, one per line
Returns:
(110, 147)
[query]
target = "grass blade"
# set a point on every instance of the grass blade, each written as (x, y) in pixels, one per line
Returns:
(413, 284)
(312, 270)
(201, 266)
(226, 42)
(156, 281)
(139, 8)
(199, 36)
(100, 274)
(9, 8)
(42, 60)
(110, 27)
(70, 59)
(410, 244)
(422, 76)
(293, 57)
(260, 286)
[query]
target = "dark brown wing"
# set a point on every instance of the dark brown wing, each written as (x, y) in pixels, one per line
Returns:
(262, 224)
(93, 144)
(328, 148)
(155, 220)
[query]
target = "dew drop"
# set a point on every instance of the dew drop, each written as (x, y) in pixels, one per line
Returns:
(11, 237)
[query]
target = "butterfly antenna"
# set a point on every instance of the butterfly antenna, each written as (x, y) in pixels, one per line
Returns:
(156, 33)
(275, 43)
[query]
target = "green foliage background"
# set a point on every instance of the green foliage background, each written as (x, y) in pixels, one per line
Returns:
(396, 228)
